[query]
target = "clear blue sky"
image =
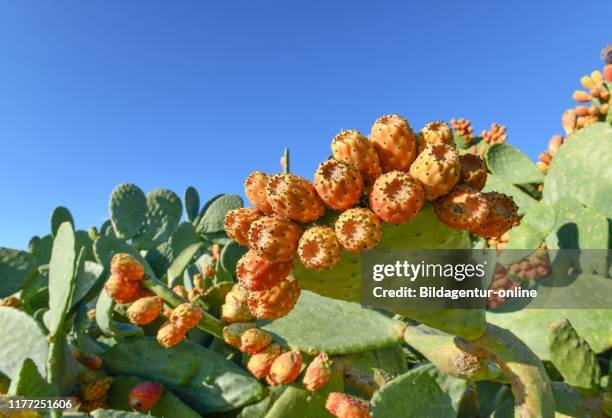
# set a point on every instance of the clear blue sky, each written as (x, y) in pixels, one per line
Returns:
(172, 94)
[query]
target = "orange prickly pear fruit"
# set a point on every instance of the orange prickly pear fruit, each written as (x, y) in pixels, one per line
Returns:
(145, 310)
(275, 239)
(396, 197)
(186, 316)
(233, 332)
(338, 184)
(255, 191)
(258, 273)
(293, 197)
(319, 248)
(169, 334)
(342, 405)
(275, 302)
(286, 368)
(317, 373)
(216, 251)
(127, 267)
(237, 224)
(395, 142)
(436, 133)
(236, 312)
(357, 151)
(438, 168)
(180, 290)
(463, 208)
(145, 395)
(358, 229)
(502, 215)
(254, 340)
(473, 171)
(260, 363)
(122, 290)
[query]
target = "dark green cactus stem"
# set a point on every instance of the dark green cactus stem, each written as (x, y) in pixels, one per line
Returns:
(530, 383)
(208, 323)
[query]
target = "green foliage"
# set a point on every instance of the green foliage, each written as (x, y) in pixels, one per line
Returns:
(164, 211)
(108, 325)
(16, 267)
(499, 184)
(508, 162)
(215, 210)
(128, 207)
(29, 383)
(191, 200)
(59, 216)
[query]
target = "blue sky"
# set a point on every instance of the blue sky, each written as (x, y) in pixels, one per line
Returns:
(172, 94)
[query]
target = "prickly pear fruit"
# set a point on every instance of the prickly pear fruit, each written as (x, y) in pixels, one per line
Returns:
(194, 293)
(209, 271)
(254, 340)
(169, 334)
(438, 169)
(186, 316)
(198, 280)
(122, 290)
(275, 239)
(255, 191)
(293, 197)
(275, 302)
(356, 150)
(396, 197)
(127, 267)
(233, 332)
(180, 290)
(258, 273)
(473, 171)
(342, 405)
(338, 184)
(260, 363)
(436, 133)
(236, 307)
(238, 295)
(463, 208)
(91, 361)
(502, 215)
(237, 223)
(358, 229)
(93, 385)
(10, 302)
(286, 368)
(145, 310)
(319, 248)
(395, 142)
(145, 395)
(317, 373)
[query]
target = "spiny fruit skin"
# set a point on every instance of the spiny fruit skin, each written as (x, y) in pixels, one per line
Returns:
(236, 312)
(126, 266)
(356, 150)
(473, 171)
(293, 197)
(275, 239)
(338, 184)
(394, 142)
(396, 197)
(145, 310)
(436, 133)
(258, 273)
(237, 223)
(319, 248)
(180, 290)
(122, 290)
(255, 191)
(145, 395)
(275, 302)
(286, 368)
(233, 332)
(503, 215)
(239, 294)
(317, 373)
(260, 363)
(169, 334)
(358, 229)
(463, 208)
(93, 385)
(186, 316)
(254, 340)
(342, 405)
(438, 169)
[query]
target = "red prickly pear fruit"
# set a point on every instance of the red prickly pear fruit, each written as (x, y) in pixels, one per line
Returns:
(255, 191)
(357, 151)
(275, 302)
(91, 361)
(260, 363)
(293, 197)
(394, 141)
(338, 184)
(438, 168)
(145, 395)
(127, 267)
(186, 316)
(254, 340)
(169, 334)
(317, 373)
(463, 208)
(607, 73)
(396, 197)
(233, 332)
(286, 368)
(237, 224)
(473, 171)
(275, 239)
(122, 290)
(358, 229)
(342, 405)
(319, 248)
(258, 273)
(145, 310)
(502, 215)
(93, 385)
(180, 290)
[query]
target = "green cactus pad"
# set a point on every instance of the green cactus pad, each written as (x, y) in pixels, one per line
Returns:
(230, 255)
(501, 185)
(88, 276)
(413, 394)
(21, 338)
(201, 378)
(106, 322)
(261, 408)
(29, 383)
(319, 324)
(59, 216)
(181, 261)
(215, 210)
(191, 199)
(455, 388)
(61, 275)
(164, 211)
(41, 249)
(128, 207)
(16, 267)
(577, 226)
(582, 168)
(184, 236)
(509, 162)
